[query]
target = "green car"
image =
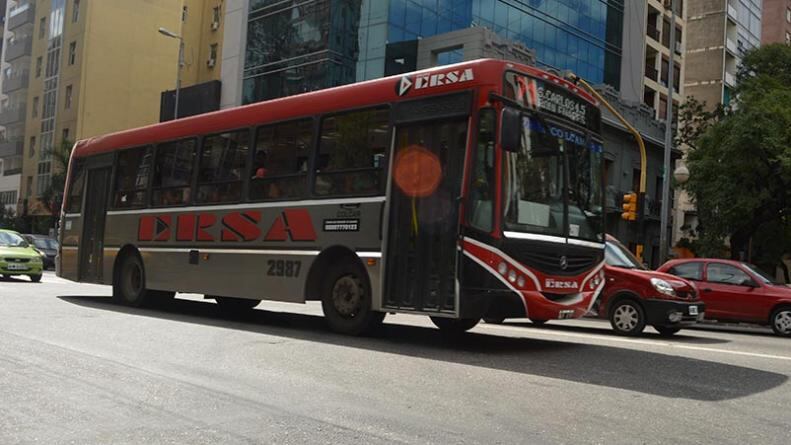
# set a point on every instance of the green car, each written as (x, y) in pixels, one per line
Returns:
(17, 257)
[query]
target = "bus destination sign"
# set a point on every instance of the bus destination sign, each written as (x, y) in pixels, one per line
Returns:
(552, 99)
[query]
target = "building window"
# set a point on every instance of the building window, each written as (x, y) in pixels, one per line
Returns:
(131, 179)
(35, 107)
(351, 154)
(39, 62)
(65, 135)
(8, 198)
(67, 101)
(44, 179)
(184, 14)
(215, 21)
(212, 55)
(72, 52)
(75, 11)
(280, 164)
(222, 163)
(788, 38)
(42, 27)
(173, 173)
(31, 151)
(29, 188)
(788, 15)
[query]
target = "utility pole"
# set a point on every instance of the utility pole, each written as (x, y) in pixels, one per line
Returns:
(180, 63)
(663, 241)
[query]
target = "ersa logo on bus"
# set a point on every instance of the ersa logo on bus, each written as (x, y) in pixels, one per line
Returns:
(288, 225)
(422, 81)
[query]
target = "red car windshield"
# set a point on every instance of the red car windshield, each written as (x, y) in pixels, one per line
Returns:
(616, 255)
(760, 274)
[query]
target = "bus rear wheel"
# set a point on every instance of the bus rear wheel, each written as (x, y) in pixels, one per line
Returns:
(346, 300)
(129, 286)
(454, 325)
(235, 305)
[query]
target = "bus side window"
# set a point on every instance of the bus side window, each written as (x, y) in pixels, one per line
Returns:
(173, 173)
(131, 177)
(222, 163)
(74, 200)
(351, 152)
(481, 209)
(280, 162)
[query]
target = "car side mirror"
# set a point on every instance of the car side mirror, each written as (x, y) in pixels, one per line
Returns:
(511, 130)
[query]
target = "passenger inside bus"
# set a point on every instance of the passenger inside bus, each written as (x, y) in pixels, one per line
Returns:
(262, 186)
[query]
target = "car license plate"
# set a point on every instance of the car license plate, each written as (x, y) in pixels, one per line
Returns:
(16, 267)
(693, 310)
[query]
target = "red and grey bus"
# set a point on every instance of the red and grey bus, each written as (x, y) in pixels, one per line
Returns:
(461, 192)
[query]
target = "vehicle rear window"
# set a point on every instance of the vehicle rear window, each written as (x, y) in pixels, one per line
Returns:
(691, 271)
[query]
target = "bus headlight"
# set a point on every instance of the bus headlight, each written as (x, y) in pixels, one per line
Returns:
(663, 287)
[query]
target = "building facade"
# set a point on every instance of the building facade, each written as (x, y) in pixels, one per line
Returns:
(289, 47)
(719, 32)
(13, 90)
(90, 67)
(776, 22)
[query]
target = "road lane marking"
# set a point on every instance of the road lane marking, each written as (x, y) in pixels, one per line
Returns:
(645, 342)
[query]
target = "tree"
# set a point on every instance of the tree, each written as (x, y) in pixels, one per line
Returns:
(740, 158)
(52, 197)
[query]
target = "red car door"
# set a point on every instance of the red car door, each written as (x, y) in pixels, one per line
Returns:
(729, 295)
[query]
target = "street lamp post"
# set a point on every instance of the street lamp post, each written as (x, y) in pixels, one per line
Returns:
(173, 35)
(663, 241)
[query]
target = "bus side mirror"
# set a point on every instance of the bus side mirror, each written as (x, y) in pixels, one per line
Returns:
(511, 130)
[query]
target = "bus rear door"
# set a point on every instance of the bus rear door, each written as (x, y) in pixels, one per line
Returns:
(91, 247)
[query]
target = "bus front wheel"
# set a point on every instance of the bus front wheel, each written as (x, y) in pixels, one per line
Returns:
(346, 300)
(455, 325)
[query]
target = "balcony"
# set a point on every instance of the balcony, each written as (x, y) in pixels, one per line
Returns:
(11, 147)
(653, 33)
(21, 15)
(730, 79)
(651, 73)
(18, 48)
(16, 81)
(12, 115)
(732, 15)
(730, 45)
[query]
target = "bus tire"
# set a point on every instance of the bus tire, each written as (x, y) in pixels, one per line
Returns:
(129, 286)
(346, 300)
(235, 305)
(454, 325)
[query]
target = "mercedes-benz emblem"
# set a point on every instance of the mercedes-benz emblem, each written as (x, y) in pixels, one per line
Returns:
(564, 262)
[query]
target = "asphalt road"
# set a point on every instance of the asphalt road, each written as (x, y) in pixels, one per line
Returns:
(75, 368)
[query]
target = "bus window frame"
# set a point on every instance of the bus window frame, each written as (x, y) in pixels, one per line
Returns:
(114, 175)
(193, 175)
(195, 180)
(385, 166)
(314, 119)
(473, 159)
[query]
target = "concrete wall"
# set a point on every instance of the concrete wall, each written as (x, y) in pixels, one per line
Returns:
(475, 43)
(233, 44)
(632, 69)
(774, 25)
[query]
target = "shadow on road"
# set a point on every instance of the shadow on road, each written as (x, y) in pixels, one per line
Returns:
(639, 371)
(606, 330)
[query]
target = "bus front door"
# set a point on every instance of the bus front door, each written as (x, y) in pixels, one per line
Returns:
(421, 248)
(92, 243)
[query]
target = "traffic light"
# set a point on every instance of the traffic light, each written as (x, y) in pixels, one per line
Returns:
(629, 207)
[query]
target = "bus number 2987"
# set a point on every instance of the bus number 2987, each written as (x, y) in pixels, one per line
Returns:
(284, 268)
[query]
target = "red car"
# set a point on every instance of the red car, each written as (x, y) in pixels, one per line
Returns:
(634, 296)
(736, 291)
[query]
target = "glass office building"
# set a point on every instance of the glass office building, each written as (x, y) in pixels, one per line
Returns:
(295, 46)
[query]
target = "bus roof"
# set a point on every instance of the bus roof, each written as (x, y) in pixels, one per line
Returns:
(356, 95)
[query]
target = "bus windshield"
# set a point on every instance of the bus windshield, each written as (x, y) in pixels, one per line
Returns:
(554, 163)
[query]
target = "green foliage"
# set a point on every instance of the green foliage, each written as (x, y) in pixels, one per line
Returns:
(8, 219)
(52, 197)
(740, 158)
